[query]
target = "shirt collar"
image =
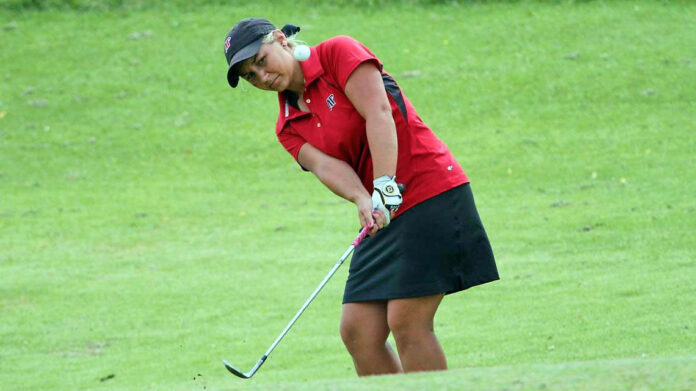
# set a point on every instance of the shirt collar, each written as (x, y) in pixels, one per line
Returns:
(311, 67)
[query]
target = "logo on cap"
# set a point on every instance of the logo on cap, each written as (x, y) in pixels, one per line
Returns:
(227, 44)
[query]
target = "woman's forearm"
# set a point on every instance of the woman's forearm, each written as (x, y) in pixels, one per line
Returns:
(341, 179)
(381, 137)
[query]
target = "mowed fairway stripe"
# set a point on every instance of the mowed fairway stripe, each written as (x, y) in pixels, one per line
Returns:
(661, 373)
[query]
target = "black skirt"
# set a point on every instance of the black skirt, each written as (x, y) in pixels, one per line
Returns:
(438, 246)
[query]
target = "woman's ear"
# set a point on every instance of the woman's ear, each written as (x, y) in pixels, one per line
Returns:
(280, 38)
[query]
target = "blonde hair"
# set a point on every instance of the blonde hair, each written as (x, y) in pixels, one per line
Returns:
(292, 40)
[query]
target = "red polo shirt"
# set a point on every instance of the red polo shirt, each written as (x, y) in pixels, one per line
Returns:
(424, 164)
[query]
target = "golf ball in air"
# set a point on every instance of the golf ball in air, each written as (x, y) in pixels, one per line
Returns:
(302, 52)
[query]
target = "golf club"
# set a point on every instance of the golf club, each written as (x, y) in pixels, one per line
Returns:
(363, 233)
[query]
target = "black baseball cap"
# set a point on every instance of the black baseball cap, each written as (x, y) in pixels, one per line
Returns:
(243, 42)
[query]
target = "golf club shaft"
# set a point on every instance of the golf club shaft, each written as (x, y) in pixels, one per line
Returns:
(314, 294)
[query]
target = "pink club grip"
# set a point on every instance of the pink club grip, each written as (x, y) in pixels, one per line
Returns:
(363, 233)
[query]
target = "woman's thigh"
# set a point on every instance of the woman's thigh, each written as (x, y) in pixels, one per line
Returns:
(412, 313)
(365, 321)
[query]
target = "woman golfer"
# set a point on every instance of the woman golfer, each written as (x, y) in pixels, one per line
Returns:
(342, 117)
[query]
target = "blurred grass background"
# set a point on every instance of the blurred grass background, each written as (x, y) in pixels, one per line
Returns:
(151, 224)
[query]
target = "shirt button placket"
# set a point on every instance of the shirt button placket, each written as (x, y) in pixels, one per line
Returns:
(308, 101)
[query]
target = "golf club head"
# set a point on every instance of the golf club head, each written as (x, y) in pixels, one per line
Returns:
(249, 374)
(235, 371)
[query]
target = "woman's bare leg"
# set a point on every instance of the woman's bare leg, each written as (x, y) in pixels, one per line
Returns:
(411, 322)
(364, 331)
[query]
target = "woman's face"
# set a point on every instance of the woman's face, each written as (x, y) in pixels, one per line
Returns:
(272, 68)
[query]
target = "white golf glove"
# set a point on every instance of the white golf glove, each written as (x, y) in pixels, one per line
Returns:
(386, 196)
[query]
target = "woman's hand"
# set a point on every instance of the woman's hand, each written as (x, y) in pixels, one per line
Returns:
(386, 196)
(368, 216)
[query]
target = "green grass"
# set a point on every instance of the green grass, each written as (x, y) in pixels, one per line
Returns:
(151, 224)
